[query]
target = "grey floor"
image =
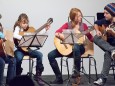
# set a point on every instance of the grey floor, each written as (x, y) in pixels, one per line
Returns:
(84, 81)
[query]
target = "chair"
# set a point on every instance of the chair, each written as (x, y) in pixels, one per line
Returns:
(31, 64)
(89, 54)
(113, 68)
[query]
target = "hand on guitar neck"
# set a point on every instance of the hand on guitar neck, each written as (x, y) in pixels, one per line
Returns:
(104, 31)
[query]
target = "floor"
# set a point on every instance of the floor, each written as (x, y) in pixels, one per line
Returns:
(84, 81)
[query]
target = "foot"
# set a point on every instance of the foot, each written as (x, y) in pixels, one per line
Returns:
(39, 80)
(77, 81)
(57, 81)
(113, 54)
(100, 82)
(19, 71)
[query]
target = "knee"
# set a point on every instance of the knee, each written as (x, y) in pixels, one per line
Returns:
(2, 63)
(77, 48)
(39, 55)
(107, 55)
(95, 38)
(50, 56)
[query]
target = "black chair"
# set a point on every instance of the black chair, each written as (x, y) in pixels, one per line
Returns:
(113, 68)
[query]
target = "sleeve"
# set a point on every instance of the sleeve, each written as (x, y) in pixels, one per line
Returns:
(89, 36)
(63, 27)
(2, 35)
(42, 31)
(16, 33)
(100, 22)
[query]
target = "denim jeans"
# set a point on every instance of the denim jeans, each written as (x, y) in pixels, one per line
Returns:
(11, 72)
(78, 50)
(107, 48)
(33, 54)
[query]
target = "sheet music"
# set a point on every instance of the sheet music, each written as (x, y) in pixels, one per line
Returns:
(37, 42)
(68, 36)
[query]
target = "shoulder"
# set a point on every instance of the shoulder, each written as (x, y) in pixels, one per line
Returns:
(85, 26)
(17, 28)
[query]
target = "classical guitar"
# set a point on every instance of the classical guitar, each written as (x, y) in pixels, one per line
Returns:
(105, 32)
(66, 49)
(32, 31)
(6, 48)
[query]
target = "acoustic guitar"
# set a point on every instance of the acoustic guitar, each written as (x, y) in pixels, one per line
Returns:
(66, 49)
(32, 31)
(6, 48)
(105, 32)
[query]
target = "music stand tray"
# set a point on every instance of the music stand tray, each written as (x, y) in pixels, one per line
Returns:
(32, 40)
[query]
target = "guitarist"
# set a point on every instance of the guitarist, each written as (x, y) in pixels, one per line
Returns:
(4, 58)
(22, 25)
(108, 46)
(75, 24)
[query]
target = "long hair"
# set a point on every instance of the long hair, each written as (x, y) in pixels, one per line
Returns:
(22, 18)
(73, 13)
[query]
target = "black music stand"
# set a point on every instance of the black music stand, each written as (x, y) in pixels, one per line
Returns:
(70, 37)
(29, 41)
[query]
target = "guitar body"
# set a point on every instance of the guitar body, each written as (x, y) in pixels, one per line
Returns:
(2, 53)
(6, 48)
(64, 49)
(28, 32)
(102, 29)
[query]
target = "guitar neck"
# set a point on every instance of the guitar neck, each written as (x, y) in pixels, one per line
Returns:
(39, 29)
(84, 32)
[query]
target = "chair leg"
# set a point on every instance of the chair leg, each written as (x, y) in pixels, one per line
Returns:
(67, 67)
(61, 64)
(95, 68)
(89, 69)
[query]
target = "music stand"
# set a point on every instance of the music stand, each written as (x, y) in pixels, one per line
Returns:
(70, 37)
(37, 41)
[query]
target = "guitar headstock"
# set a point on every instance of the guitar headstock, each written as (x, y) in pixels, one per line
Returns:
(49, 21)
(0, 16)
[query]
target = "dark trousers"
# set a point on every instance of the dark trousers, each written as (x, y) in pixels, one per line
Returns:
(11, 72)
(33, 54)
(107, 48)
(77, 52)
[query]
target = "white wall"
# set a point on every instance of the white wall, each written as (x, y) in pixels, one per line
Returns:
(40, 10)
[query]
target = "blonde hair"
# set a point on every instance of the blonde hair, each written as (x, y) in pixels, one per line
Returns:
(73, 13)
(22, 18)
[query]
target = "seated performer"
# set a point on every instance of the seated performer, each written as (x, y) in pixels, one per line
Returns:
(4, 58)
(105, 39)
(77, 26)
(21, 28)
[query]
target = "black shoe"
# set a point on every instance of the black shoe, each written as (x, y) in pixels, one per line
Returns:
(57, 81)
(19, 71)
